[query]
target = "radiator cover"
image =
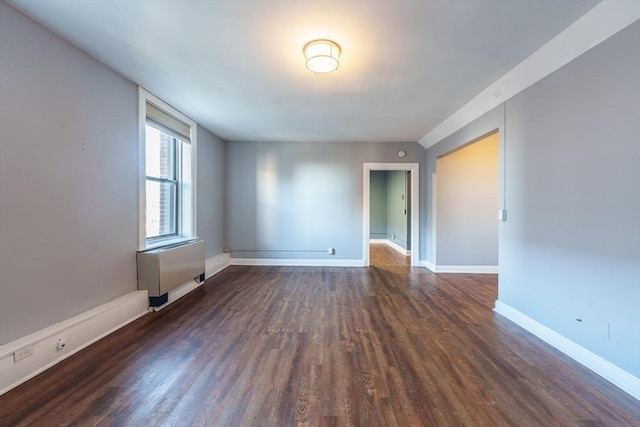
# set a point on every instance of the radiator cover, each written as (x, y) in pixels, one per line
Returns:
(163, 269)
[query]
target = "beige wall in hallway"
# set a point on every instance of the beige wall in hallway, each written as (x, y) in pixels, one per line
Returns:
(467, 205)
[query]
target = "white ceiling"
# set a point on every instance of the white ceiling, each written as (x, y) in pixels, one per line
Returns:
(236, 67)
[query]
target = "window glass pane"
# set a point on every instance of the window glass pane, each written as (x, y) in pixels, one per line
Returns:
(159, 154)
(161, 208)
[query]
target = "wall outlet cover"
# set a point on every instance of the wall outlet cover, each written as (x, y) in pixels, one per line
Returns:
(23, 353)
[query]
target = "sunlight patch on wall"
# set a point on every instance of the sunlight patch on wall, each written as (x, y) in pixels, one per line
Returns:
(268, 199)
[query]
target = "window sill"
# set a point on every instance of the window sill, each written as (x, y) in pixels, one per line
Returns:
(166, 242)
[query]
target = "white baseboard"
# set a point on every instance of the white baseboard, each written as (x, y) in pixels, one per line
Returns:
(216, 264)
(391, 244)
(472, 269)
(378, 241)
(177, 293)
(617, 376)
(78, 332)
(84, 329)
(398, 248)
(298, 262)
(431, 266)
(213, 265)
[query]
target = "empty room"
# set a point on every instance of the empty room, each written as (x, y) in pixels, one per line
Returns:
(320, 213)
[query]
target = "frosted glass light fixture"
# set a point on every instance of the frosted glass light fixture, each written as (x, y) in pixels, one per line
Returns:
(322, 56)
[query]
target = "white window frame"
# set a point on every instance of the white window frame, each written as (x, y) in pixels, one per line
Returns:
(187, 200)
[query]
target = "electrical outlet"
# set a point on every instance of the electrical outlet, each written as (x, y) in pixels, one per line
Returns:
(23, 353)
(332, 251)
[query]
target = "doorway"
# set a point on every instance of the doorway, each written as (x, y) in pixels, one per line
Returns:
(466, 194)
(413, 206)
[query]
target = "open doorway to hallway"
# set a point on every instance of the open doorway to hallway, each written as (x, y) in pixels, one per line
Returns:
(403, 208)
(390, 216)
(466, 206)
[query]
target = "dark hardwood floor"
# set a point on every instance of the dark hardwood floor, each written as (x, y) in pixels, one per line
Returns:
(390, 345)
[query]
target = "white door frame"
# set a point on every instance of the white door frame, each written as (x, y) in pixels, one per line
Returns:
(414, 168)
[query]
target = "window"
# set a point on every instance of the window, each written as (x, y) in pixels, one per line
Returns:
(167, 187)
(161, 184)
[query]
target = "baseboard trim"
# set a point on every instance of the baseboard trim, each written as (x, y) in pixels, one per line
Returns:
(378, 240)
(177, 293)
(79, 332)
(286, 262)
(431, 266)
(213, 266)
(472, 269)
(615, 375)
(216, 264)
(392, 245)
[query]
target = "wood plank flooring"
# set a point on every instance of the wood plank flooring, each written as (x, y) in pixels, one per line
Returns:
(390, 345)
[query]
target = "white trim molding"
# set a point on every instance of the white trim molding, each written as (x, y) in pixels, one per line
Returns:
(216, 264)
(77, 333)
(382, 241)
(597, 25)
(177, 293)
(468, 269)
(471, 269)
(414, 168)
(188, 182)
(617, 376)
(392, 245)
(288, 262)
(213, 266)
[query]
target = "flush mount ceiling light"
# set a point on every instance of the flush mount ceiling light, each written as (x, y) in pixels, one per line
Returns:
(322, 56)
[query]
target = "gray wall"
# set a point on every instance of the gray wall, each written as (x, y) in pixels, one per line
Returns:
(378, 205)
(572, 243)
(211, 171)
(397, 220)
(69, 180)
(300, 196)
(571, 246)
(467, 205)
